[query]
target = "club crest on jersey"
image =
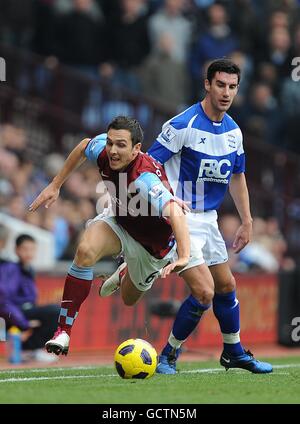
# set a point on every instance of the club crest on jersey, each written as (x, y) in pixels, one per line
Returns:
(168, 135)
(156, 191)
(231, 141)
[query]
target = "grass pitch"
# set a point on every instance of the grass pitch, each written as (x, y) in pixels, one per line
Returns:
(196, 382)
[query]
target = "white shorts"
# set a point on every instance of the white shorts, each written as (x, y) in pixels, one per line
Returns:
(143, 268)
(207, 244)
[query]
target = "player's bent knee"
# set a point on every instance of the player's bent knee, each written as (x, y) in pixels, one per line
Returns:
(228, 286)
(85, 256)
(205, 296)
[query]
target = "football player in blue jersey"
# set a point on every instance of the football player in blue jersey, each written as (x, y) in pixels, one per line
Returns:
(202, 152)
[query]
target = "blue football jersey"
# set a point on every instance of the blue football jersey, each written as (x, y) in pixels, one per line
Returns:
(199, 156)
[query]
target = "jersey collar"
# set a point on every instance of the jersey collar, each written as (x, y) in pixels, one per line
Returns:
(214, 123)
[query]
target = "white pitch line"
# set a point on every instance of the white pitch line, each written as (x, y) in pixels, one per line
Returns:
(14, 380)
(287, 366)
(85, 368)
(215, 370)
(196, 371)
(202, 370)
(42, 370)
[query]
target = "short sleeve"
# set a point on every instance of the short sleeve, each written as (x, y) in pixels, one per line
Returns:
(95, 147)
(151, 189)
(240, 161)
(169, 142)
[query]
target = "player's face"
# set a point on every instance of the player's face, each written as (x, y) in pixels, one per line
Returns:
(222, 90)
(119, 149)
(26, 252)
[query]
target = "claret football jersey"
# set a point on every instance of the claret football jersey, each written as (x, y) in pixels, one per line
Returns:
(139, 193)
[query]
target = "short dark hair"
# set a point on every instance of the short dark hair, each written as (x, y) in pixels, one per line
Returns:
(223, 65)
(22, 238)
(130, 124)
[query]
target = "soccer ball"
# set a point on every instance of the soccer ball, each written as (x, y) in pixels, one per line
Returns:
(135, 358)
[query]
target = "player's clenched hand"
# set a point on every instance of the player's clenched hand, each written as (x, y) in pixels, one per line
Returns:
(242, 238)
(48, 196)
(174, 267)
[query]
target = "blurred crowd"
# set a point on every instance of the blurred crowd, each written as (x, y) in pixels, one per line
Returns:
(267, 252)
(159, 48)
(21, 181)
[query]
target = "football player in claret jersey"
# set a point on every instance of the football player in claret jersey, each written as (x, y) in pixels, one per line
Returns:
(146, 239)
(202, 153)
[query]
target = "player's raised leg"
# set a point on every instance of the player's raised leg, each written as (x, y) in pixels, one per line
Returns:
(227, 311)
(130, 294)
(120, 279)
(98, 240)
(113, 283)
(201, 285)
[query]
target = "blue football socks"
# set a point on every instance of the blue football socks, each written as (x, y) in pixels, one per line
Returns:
(227, 311)
(186, 320)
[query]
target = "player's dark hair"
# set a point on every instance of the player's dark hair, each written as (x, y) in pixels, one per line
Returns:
(223, 65)
(130, 124)
(22, 238)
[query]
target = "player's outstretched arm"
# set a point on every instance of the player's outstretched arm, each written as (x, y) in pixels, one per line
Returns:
(151, 188)
(50, 194)
(181, 232)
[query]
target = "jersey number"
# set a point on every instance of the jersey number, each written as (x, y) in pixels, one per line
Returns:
(151, 277)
